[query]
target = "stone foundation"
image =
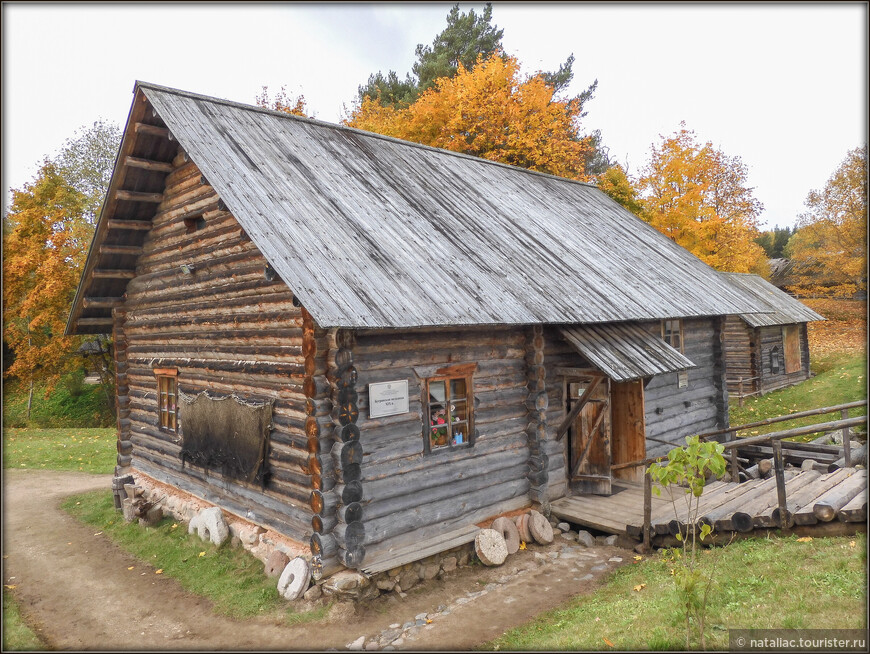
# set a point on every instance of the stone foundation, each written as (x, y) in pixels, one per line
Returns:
(183, 507)
(355, 585)
(262, 542)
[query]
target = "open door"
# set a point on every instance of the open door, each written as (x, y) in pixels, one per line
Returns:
(629, 431)
(589, 455)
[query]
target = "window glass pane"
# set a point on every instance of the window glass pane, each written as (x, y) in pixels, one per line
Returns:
(166, 401)
(458, 410)
(437, 391)
(448, 413)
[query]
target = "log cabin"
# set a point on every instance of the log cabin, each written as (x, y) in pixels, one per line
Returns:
(769, 349)
(370, 345)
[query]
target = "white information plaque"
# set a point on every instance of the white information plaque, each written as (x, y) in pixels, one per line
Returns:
(388, 398)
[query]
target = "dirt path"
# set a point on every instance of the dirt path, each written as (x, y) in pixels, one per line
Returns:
(75, 589)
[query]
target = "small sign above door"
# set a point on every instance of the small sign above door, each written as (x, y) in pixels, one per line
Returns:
(388, 398)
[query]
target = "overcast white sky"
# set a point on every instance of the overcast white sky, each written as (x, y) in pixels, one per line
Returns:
(783, 86)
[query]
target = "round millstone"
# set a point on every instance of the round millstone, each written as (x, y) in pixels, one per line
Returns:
(490, 547)
(540, 528)
(294, 580)
(525, 534)
(276, 563)
(510, 533)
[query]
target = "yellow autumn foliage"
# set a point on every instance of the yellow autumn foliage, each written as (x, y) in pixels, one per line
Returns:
(490, 112)
(698, 197)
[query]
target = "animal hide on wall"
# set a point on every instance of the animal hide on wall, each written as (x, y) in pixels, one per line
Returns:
(226, 434)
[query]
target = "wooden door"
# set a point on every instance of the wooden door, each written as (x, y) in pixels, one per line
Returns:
(791, 339)
(589, 456)
(629, 428)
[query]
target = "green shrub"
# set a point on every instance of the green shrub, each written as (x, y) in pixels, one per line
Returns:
(61, 408)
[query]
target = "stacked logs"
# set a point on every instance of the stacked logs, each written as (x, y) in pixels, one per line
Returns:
(537, 403)
(318, 431)
(122, 399)
(125, 447)
(339, 531)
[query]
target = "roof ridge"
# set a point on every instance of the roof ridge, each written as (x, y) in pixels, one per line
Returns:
(355, 130)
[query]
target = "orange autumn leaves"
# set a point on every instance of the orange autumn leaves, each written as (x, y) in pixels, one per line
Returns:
(698, 196)
(829, 250)
(44, 247)
(490, 112)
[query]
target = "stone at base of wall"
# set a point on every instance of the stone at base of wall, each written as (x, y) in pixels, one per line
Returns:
(261, 542)
(183, 506)
(354, 585)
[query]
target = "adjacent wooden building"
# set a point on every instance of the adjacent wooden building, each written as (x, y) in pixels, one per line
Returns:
(769, 350)
(370, 345)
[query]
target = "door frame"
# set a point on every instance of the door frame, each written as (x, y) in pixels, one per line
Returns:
(587, 484)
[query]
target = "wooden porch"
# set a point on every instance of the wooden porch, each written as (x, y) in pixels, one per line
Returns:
(835, 502)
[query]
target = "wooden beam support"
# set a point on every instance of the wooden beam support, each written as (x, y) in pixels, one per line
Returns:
(141, 225)
(148, 164)
(94, 321)
(121, 249)
(102, 302)
(152, 130)
(136, 196)
(113, 274)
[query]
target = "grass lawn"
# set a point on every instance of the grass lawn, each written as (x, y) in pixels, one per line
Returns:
(231, 578)
(762, 584)
(841, 377)
(838, 359)
(82, 449)
(17, 636)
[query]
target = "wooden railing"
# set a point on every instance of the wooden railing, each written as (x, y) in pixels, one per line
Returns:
(740, 394)
(774, 438)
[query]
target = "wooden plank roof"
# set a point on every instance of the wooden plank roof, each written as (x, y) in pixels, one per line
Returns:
(779, 307)
(373, 232)
(625, 351)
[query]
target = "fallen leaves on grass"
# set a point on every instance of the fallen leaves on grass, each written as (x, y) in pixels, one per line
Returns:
(639, 587)
(805, 539)
(844, 330)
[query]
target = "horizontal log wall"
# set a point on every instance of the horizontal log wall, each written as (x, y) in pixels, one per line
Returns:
(770, 337)
(672, 413)
(741, 357)
(408, 495)
(227, 330)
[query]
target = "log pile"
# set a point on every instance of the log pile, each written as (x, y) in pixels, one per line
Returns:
(812, 498)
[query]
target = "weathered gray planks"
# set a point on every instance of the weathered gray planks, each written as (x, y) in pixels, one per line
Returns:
(625, 351)
(774, 307)
(435, 238)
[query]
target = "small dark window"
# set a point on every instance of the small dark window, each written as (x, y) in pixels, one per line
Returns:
(449, 413)
(774, 359)
(194, 224)
(167, 398)
(672, 333)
